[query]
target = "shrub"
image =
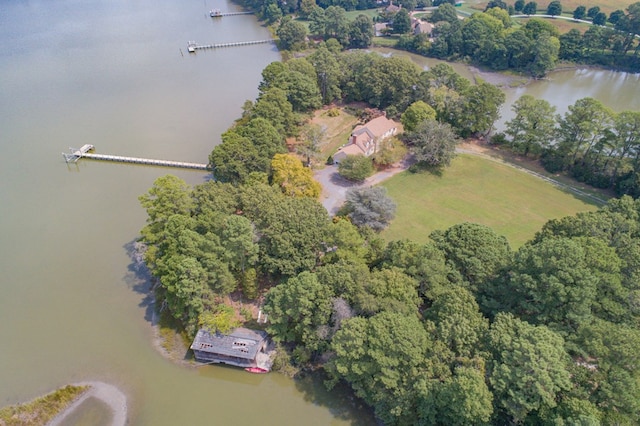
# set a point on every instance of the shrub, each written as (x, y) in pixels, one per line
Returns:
(221, 318)
(391, 151)
(356, 167)
(369, 207)
(498, 139)
(333, 112)
(250, 284)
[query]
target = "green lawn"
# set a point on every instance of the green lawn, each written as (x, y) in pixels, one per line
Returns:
(337, 129)
(562, 25)
(606, 6)
(390, 41)
(351, 15)
(371, 13)
(478, 190)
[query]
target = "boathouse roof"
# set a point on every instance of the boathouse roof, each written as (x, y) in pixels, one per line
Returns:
(240, 343)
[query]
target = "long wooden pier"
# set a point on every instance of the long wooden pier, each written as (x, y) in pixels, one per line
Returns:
(192, 46)
(83, 152)
(216, 13)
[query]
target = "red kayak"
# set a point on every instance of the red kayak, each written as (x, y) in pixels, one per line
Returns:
(256, 370)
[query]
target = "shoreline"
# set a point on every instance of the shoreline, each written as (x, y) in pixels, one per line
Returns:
(505, 79)
(108, 394)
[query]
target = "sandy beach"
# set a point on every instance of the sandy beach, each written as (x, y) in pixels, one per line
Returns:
(109, 394)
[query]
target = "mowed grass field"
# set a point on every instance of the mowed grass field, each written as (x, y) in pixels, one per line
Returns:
(562, 25)
(473, 189)
(606, 6)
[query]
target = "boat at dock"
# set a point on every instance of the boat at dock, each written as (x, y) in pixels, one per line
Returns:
(256, 370)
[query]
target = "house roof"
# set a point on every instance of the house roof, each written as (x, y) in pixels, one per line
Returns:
(393, 8)
(362, 130)
(377, 127)
(240, 343)
(423, 27)
(351, 149)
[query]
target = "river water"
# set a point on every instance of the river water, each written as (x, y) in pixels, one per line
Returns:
(115, 73)
(619, 91)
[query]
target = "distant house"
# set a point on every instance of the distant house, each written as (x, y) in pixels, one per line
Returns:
(379, 28)
(364, 139)
(420, 27)
(392, 8)
(242, 348)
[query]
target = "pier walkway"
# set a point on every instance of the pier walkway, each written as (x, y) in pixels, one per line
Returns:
(83, 152)
(216, 13)
(192, 46)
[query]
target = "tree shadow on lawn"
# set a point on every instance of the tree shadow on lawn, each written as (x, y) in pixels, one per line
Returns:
(418, 168)
(339, 180)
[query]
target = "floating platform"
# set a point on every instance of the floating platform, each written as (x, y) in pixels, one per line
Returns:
(83, 152)
(192, 46)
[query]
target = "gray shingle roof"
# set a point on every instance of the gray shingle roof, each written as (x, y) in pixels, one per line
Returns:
(240, 343)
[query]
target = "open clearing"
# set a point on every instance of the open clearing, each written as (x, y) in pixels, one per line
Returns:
(562, 25)
(473, 189)
(337, 129)
(606, 6)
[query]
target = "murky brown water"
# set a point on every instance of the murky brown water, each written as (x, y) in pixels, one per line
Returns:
(116, 74)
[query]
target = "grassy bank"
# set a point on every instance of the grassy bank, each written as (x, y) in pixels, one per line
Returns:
(40, 411)
(473, 189)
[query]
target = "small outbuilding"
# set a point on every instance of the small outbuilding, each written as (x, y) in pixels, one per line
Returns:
(243, 347)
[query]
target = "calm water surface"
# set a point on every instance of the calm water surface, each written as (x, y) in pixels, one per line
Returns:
(620, 91)
(116, 74)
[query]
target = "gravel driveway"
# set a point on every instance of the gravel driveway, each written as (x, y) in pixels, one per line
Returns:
(335, 187)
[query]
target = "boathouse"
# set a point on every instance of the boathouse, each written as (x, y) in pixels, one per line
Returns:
(242, 348)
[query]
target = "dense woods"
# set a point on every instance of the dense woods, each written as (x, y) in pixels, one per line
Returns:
(590, 142)
(459, 330)
(490, 38)
(494, 40)
(545, 334)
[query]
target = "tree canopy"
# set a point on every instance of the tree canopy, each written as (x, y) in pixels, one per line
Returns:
(457, 330)
(369, 207)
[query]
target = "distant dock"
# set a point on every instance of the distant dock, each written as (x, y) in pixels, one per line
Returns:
(84, 152)
(192, 46)
(217, 13)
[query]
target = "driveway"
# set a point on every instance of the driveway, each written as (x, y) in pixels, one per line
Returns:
(335, 187)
